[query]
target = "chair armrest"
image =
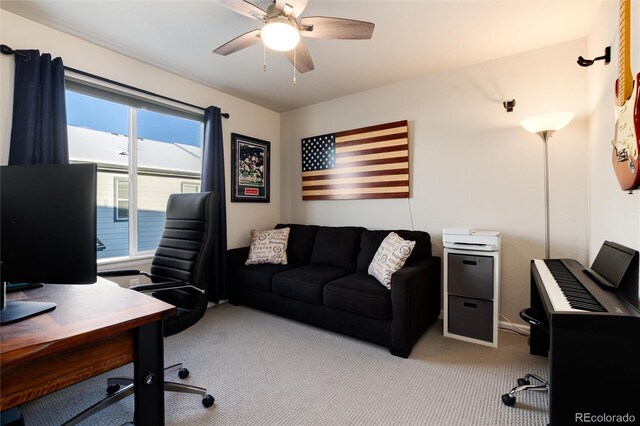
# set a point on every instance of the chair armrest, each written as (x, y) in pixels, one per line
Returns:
(122, 273)
(415, 303)
(170, 285)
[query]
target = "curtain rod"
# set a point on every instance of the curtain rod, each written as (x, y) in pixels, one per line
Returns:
(9, 51)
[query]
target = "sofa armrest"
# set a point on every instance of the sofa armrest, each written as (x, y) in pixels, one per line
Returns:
(415, 303)
(235, 260)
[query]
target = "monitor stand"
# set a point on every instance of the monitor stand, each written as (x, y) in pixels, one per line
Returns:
(17, 310)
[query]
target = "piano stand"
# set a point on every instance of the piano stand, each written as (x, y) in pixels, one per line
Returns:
(524, 384)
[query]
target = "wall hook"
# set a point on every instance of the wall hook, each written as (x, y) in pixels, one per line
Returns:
(588, 62)
(509, 105)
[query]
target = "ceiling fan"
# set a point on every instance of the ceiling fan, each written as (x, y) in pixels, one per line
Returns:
(283, 27)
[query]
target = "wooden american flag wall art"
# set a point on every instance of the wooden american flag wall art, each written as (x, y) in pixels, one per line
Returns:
(370, 162)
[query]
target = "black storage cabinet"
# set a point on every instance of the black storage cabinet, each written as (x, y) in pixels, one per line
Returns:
(470, 295)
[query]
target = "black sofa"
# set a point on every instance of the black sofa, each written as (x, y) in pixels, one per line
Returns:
(325, 283)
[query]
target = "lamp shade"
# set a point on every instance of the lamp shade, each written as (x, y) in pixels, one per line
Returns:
(280, 34)
(547, 122)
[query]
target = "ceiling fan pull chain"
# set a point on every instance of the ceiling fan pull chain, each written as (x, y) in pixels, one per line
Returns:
(294, 66)
(264, 58)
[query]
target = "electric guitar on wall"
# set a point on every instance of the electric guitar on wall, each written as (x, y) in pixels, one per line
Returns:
(626, 142)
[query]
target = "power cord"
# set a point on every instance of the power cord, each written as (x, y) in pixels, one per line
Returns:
(410, 213)
(515, 329)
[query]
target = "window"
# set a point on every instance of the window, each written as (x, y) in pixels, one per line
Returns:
(145, 151)
(190, 188)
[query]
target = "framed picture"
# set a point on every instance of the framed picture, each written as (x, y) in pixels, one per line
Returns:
(250, 164)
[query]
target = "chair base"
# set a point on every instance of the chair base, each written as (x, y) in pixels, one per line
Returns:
(121, 387)
(524, 384)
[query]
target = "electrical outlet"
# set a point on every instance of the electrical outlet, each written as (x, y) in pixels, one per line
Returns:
(134, 281)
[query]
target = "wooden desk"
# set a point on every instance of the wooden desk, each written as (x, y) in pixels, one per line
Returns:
(94, 329)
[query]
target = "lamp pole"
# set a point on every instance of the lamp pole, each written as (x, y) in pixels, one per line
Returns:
(545, 135)
(544, 126)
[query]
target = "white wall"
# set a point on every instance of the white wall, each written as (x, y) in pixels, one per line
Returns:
(246, 118)
(471, 162)
(614, 214)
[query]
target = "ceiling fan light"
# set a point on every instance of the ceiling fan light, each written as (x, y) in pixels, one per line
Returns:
(280, 34)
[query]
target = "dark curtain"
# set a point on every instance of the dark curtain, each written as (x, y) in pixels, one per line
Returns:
(213, 180)
(39, 126)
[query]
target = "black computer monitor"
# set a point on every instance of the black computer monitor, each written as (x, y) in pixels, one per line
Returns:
(48, 230)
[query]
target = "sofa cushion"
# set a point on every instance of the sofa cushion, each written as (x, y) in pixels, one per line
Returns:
(301, 238)
(268, 246)
(306, 282)
(371, 240)
(359, 293)
(259, 276)
(390, 257)
(337, 246)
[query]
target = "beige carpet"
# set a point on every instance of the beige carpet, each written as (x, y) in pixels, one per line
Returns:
(267, 370)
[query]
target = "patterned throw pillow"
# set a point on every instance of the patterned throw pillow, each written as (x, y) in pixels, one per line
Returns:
(268, 247)
(390, 257)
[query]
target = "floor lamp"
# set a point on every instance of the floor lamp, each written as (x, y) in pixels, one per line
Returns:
(544, 126)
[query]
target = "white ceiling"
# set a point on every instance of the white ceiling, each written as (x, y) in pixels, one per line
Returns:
(411, 38)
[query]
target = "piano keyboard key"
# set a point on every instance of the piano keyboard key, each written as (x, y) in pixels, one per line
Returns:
(565, 291)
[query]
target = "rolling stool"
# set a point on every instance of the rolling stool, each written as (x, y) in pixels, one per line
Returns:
(524, 383)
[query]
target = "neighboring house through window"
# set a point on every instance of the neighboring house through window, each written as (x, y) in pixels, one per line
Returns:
(190, 188)
(121, 199)
(145, 151)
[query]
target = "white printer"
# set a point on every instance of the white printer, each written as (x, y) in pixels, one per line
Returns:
(470, 239)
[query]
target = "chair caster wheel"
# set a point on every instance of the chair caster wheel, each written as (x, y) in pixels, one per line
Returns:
(508, 400)
(111, 389)
(522, 382)
(208, 401)
(183, 373)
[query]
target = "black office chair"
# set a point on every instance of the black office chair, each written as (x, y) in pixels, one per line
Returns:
(180, 274)
(524, 383)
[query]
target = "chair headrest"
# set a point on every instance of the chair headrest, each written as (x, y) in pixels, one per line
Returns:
(190, 206)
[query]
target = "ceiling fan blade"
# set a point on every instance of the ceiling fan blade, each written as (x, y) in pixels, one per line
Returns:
(245, 8)
(303, 61)
(239, 43)
(297, 6)
(335, 28)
